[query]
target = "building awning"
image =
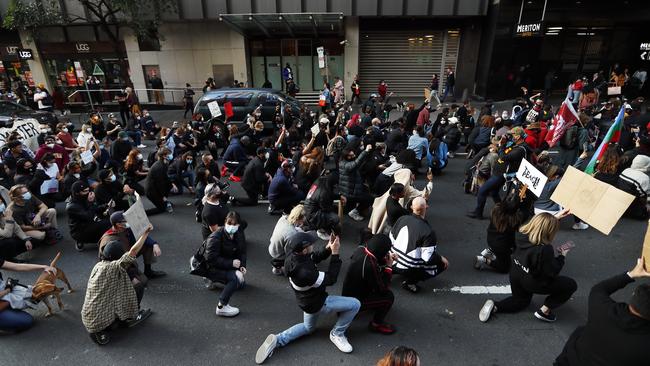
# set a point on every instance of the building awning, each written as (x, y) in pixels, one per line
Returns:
(293, 25)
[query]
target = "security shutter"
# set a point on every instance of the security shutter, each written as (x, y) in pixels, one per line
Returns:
(405, 59)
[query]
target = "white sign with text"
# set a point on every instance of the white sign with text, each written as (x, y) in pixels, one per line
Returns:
(137, 218)
(531, 177)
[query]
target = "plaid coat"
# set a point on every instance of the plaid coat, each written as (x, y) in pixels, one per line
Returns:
(109, 295)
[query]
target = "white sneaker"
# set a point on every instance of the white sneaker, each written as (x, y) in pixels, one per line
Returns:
(480, 262)
(580, 226)
(451, 155)
(227, 311)
(488, 254)
(323, 235)
(486, 311)
(341, 342)
(354, 214)
(141, 146)
(277, 271)
(266, 349)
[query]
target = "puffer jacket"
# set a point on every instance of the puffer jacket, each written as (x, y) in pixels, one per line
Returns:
(319, 200)
(350, 180)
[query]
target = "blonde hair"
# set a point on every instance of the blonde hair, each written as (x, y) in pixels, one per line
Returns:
(541, 229)
(296, 214)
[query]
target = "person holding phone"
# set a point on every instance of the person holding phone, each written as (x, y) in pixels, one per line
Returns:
(536, 270)
(368, 280)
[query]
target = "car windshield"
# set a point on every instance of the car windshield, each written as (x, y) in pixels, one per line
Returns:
(10, 107)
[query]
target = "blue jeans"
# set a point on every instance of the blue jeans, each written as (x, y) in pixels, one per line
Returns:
(136, 136)
(491, 187)
(15, 320)
(346, 307)
(448, 90)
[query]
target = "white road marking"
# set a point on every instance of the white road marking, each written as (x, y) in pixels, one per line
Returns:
(477, 290)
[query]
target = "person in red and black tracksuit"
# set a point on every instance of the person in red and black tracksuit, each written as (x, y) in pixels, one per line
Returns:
(368, 280)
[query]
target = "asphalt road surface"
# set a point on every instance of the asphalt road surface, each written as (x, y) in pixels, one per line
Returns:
(442, 326)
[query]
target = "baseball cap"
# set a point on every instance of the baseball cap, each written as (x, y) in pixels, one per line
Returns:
(117, 217)
(105, 173)
(122, 134)
(516, 131)
(113, 250)
(299, 241)
(79, 186)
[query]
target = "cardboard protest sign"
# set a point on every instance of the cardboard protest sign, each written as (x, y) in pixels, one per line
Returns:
(137, 218)
(27, 128)
(427, 94)
(645, 254)
(531, 177)
(594, 202)
(87, 157)
(315, 129)
(215, 111)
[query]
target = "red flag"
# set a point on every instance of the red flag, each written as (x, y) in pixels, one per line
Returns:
(564, 119)
(227, 106)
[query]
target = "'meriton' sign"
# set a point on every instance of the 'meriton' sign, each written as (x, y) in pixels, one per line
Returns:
(529, 30)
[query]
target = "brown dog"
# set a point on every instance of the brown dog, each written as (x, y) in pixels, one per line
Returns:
(45, 286)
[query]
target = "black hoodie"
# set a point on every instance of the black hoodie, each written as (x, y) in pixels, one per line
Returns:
(538, 261)
(307, 281)
(613, 336)
(368, 273)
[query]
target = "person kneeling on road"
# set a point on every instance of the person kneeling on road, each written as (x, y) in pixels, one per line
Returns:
(309, 286)
(225, 252)
(121, 232)
(535, 270)
(368, 280)
(616, 333)
(415, 244)
(111, 299)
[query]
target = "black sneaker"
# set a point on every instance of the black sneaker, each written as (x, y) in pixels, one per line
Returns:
(474, 215)
(410, 287)
(550, 317)
(154, 274)
(101, 338)
(142, 316)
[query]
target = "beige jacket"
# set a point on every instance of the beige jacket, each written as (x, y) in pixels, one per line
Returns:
(378, 216)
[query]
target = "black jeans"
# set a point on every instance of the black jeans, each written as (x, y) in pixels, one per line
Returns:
(524, 286)
(379, 303)
(11, 247)
(286, 203)
(250, 200)
(125, 115)
(159, 202)
(236, 167)
(229, 278)
(361, 203)
(502, 263)
(92, 232)
(415, 275)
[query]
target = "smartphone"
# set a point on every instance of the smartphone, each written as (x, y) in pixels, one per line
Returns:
(566, 246)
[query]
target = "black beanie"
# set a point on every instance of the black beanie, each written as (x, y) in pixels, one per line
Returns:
(640, 300)
(379, 245)
(113, 250)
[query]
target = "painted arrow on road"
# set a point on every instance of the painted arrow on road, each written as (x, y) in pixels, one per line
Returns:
(477, 290)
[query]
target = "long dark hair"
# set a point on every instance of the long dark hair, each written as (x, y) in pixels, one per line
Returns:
(505, 217)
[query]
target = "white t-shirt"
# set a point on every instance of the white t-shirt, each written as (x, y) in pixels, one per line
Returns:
(38, 97)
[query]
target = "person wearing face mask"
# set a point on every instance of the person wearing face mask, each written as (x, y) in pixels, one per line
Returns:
(13, 240)
(158, 183)
(225, 253)
(33, 216)
(45, 130)
(255, 180)
(234, 157)
(97, 126)
(73, 174)
(86, 219)
(283, 192)
(134, 170)
(113, 127)
(121, 232)
(286, 226)
(110, 192)
(14, 153)
(67, 141)
(181, 172)
(151, 128)
(25, 170)
(85, 136)
(134, 130)
(45, 183)
(351, 184)
(210, 164)
(61, 156)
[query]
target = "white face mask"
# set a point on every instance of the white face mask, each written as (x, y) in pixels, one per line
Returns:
(140, 157)
(50, 145)
(231, 229)
(504, 115)
(76, 175)
(88, 129)
(113, 178)
(65, 130)
(2, 207)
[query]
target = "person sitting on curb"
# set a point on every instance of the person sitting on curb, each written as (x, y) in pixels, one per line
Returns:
(111, 300)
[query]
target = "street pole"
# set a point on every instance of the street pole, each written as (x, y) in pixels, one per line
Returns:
(90, 98)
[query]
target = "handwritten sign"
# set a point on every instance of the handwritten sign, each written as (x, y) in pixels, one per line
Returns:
(315, 129)
(215, 111)
(27, 128)
(531, 177)
(646, 249)
(137, 218)
(87, 157)
(594, 202)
